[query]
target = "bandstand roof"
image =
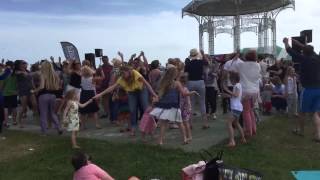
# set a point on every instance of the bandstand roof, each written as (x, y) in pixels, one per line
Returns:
(233, 7)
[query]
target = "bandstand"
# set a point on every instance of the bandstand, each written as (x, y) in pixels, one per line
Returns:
(235, 17)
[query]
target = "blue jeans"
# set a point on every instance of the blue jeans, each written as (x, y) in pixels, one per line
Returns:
(114, 107)
(136, 98)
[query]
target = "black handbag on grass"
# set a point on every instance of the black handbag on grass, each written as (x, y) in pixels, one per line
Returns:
(211, 171)
(216, 170)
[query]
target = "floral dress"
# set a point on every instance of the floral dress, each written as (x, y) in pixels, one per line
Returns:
(72, 117)
(185, 106)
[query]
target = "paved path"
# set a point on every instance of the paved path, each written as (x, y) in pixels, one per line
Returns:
(202, 139)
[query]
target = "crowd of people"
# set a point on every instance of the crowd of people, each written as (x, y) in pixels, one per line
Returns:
(138, 95)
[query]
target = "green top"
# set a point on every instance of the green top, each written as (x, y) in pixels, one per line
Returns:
(10, 86)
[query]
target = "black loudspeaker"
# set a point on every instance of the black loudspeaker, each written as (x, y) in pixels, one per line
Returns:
(92, 58)
(301, 40)
(307, 35)
(98, 52)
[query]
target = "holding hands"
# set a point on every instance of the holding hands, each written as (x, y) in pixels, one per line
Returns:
(195, 93)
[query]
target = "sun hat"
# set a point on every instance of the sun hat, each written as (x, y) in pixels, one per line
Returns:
(194, 52)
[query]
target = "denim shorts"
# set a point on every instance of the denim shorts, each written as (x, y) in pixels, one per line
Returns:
(310, 100)
(236, 114)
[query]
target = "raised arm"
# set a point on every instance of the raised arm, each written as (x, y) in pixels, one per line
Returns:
(145, 61)
(121, 56)
(55, 65)
(132, 58)
(296, 56)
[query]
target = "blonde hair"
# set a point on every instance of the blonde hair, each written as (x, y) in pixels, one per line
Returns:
(50, 79)
(87, 71)
(70, 95)
(116, 62)
(86, 63)
(168, 80)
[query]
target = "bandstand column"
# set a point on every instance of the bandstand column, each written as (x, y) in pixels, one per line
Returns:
(266, 35)
(274, 37)
(236, 34)
(211, 38)
(260, 35)
(201, 37)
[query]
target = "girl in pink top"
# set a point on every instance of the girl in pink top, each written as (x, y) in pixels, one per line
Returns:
(85, 170)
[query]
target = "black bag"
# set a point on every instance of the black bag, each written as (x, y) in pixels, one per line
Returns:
(211, 171)
(233, 173)
(216, 170)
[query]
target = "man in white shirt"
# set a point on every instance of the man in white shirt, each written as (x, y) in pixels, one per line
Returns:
(232, 64)
(229, 66)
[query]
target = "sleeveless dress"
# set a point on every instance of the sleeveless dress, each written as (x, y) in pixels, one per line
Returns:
(72, 117)
(185, 105)
(88, 91)
(24, 84)
(168, 107)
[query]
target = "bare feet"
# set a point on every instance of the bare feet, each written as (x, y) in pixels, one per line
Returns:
(243, 141)
(98, 126)
(76, 147)
(231, 145)
(132, 133)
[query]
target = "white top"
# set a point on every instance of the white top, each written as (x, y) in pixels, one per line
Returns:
(87, 84)
(231, 66)
(291, 85)
(250, 75)
(235, 102)
(264, 67)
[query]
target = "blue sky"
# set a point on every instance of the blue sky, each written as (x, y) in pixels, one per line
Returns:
(32, 29)
(91, 7)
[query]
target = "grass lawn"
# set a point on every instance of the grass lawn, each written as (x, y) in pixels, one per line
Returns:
(274, 152)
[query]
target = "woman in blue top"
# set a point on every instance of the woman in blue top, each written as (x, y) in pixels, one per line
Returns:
(167, 109)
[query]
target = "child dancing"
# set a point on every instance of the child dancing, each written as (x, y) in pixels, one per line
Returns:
(185, 106)
(236, 109)
(71, 114)
(167, 109)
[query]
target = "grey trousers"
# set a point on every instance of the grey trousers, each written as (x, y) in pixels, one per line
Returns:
(200, 88)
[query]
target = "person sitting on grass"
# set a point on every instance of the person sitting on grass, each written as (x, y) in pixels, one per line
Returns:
(84, 169)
